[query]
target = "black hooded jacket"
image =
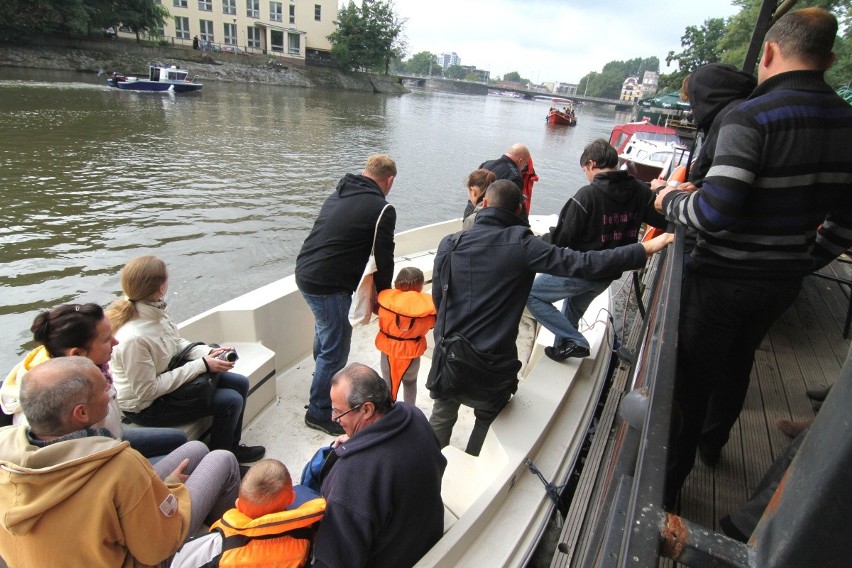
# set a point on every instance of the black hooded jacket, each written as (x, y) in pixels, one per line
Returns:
(714, 90)
(606, 213)
(336, 251)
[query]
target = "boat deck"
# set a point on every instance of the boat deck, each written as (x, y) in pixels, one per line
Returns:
(804, 349)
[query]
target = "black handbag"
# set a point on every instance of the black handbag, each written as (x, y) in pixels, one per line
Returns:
(196, 393)
(460, 369)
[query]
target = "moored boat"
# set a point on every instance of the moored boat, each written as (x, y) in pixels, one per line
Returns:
(161, 78)
(496, 505)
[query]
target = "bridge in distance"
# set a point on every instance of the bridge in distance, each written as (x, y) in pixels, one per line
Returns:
(471, 87)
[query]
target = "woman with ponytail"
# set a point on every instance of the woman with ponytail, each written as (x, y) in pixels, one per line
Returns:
(84, 330)
(148, 339)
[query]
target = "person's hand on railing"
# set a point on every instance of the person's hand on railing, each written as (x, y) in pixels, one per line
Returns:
(688, 187)
(658, 243)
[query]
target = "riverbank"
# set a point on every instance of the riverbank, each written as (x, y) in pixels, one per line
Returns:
(131, 57)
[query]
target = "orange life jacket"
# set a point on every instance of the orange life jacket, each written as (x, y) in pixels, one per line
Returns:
(278, 539)
(405, 317)
(404, 320)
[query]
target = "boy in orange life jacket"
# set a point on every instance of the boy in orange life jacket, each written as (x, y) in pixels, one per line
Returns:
(406, 315)
(278, 536)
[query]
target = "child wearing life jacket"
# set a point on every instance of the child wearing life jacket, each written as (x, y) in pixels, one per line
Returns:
(406, 314)
(261, 531)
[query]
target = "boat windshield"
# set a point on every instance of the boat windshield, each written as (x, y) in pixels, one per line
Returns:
(656, 137)
(176, 75)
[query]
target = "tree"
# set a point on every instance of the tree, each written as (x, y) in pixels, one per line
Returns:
(140, 16)
(608, 83)
(23, 19)
(423, 63)
(455, 72)
(701, 45)
(513, 76)
(367, 37)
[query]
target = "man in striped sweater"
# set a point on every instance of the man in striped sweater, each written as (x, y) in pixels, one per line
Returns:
(775, 205)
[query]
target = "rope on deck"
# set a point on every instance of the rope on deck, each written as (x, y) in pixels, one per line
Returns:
(552, 491)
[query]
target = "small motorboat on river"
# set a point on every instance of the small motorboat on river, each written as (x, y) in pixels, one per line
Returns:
(161, 78)
(564, 117)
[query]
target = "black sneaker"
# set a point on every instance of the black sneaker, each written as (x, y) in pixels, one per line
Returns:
(246, 454)
(327, 426)
(566, 351)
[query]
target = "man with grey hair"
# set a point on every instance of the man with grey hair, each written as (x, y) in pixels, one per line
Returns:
(775, 205)
(329, 267)
(69, 490)
(383, 472)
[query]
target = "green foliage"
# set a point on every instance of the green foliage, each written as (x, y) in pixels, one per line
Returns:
(23, 19)
(700, 45)
(455, 72)
(514, 76)
(368, 36)
(608, 82)
(423, 63)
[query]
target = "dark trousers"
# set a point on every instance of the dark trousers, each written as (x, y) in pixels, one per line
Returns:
(227, 408)
(445, 412)
(722, 322)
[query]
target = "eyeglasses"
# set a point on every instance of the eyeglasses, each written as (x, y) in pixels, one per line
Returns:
(342, 414)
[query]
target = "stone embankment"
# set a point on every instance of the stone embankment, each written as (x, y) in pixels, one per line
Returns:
(132, 58)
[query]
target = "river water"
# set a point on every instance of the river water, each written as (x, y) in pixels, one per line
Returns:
(225, 185)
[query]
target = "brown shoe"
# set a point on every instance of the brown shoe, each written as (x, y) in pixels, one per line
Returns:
(792, 428)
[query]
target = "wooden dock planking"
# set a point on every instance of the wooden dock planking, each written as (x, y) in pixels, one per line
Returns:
(804, 349)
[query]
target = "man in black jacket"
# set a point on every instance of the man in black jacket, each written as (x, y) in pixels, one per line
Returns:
(603, 215)
(488, 276)
(330, 265)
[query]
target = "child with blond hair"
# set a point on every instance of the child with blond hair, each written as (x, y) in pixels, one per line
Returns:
(265, 529)
(406, 315)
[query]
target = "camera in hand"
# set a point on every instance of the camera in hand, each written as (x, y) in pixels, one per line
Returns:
(228, 355)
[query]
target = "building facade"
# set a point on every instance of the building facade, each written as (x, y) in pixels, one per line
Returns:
(288, 28)
(448, 59)
(631, 90)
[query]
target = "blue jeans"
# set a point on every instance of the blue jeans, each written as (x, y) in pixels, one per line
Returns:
(578, 295)
(332, 338)
(154, 442)
(227, 407)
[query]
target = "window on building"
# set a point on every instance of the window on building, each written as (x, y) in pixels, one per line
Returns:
(231, 34)
(229, 7)
(276, 11)
(181, 3)
(318, 12)
(253, 35)
(181, 27)
(276, 40)
(206, 30)
(253, 8)
(292, 14)
(205, 5)
(293, 44)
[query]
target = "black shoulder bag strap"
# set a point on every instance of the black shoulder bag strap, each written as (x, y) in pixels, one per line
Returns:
(453, 241)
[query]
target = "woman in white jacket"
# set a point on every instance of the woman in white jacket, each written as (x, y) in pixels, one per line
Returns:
(148, 339)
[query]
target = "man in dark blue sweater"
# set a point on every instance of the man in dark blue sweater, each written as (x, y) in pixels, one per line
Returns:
(776, 204)
(384, 488)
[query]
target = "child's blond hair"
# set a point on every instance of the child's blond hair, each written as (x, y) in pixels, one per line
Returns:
(266, 488)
